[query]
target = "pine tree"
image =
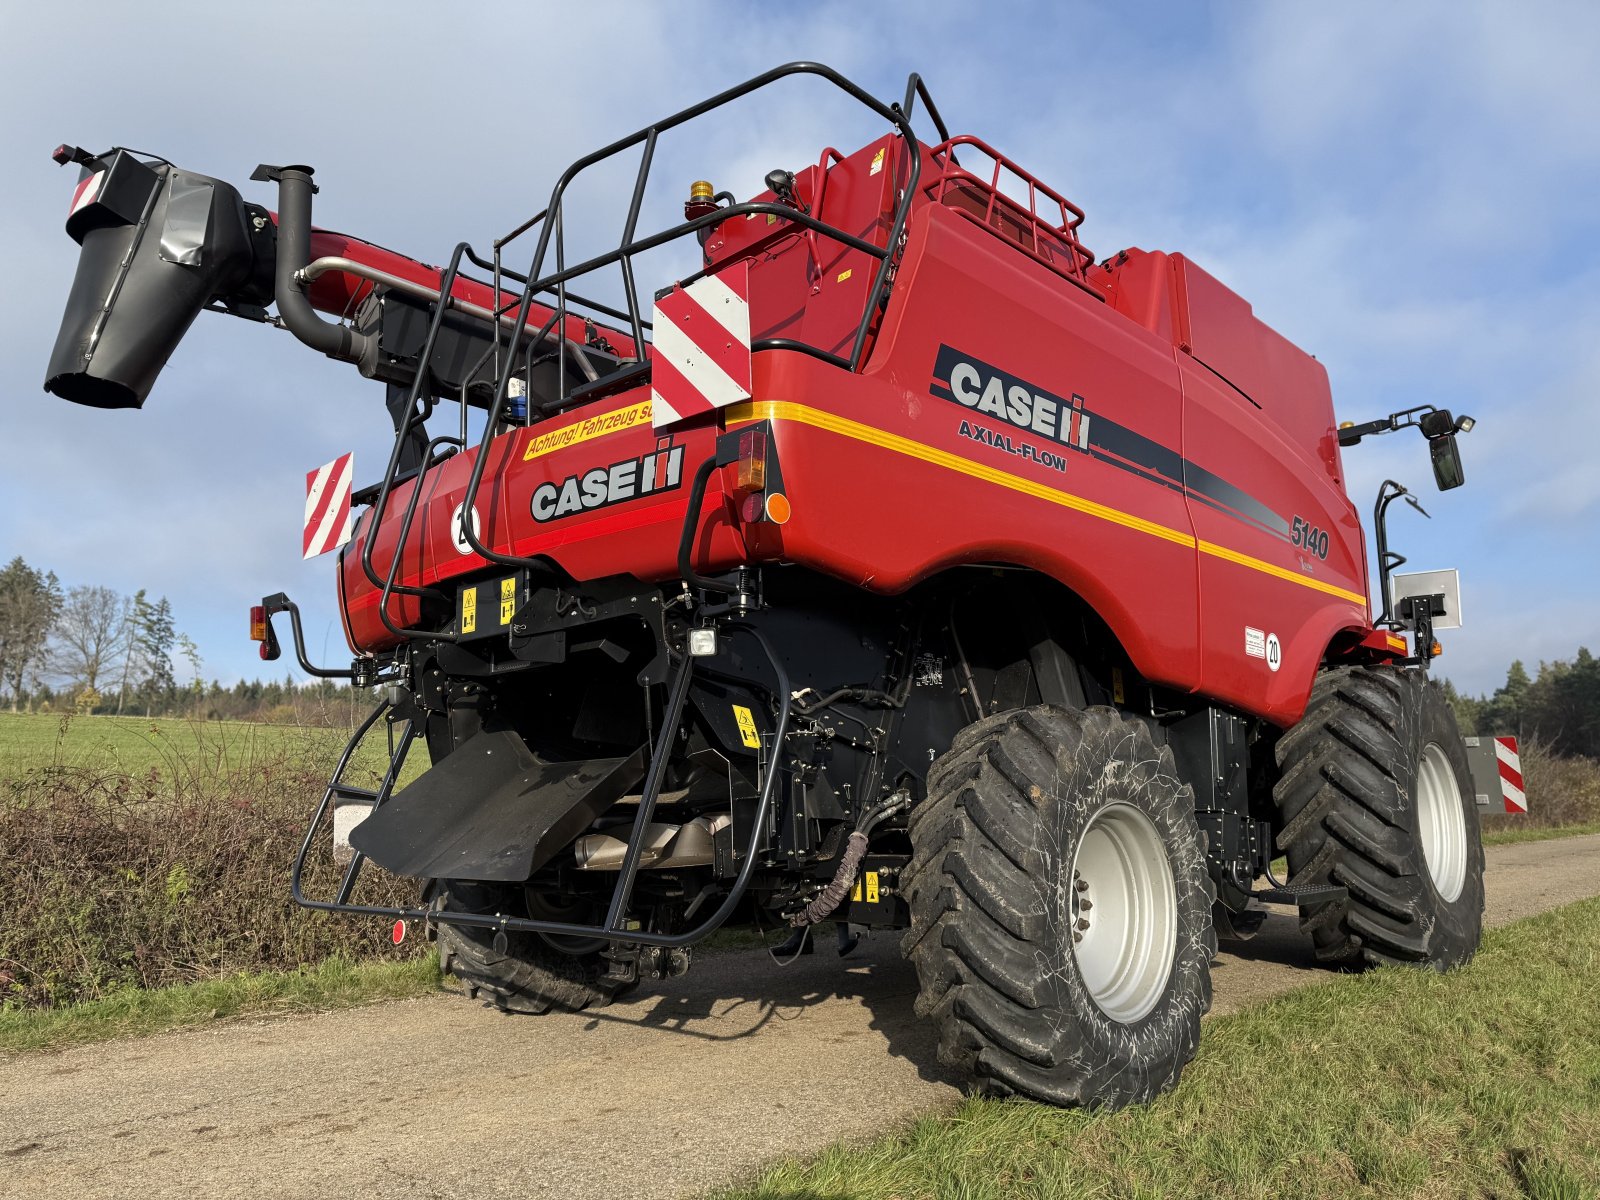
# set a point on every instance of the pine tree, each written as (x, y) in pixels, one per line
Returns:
(30, 602)
(155, 636)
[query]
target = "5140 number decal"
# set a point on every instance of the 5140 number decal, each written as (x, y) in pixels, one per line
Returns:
(1309, 538)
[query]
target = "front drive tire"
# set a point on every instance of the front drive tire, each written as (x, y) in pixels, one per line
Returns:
(1034, 992)
(1376, 796)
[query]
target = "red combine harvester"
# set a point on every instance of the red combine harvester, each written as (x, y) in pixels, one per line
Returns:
(902, 567)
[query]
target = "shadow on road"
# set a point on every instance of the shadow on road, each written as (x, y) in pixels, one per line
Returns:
(736, 995)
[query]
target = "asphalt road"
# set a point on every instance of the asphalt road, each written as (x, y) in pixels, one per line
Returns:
(682, 1086)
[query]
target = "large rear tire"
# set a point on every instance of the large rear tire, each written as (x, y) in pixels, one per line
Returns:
(530, 975)
(1376, 796)
(1060, 908)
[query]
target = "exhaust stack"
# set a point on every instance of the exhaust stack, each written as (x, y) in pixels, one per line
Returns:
(158, 245)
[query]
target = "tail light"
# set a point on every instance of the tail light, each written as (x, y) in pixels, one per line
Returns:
(759, 481)
(261, 631)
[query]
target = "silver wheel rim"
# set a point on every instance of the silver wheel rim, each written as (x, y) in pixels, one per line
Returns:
(1124, 912)
(1441, 823)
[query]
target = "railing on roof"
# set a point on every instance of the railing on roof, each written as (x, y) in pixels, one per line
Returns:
(1051, 238)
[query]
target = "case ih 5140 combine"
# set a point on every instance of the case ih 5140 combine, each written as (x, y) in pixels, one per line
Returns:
(902, 566)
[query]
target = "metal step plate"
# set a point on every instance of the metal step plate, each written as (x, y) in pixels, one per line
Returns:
(1306, 895)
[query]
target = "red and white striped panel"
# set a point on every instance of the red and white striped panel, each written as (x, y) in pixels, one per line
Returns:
(328, 506)
(83, 195)
(701, 347)
(1505, 749)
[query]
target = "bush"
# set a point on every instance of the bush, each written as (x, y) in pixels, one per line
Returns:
(1562, 790)
(113, 881)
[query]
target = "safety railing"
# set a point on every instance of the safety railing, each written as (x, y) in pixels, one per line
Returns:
(509, 322)
(540, 282)
(1050, 238)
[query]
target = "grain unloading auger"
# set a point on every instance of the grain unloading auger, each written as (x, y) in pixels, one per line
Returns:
(901, 566)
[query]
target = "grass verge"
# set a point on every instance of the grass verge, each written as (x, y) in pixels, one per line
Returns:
(336, 983)
(1484, 1082)
(1537, 833)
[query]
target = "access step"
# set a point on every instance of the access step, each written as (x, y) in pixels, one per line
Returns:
(1305, 895)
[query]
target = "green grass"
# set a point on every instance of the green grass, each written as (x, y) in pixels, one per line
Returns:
(173, 747)
(1537, 833)
(336, 983)
(1484, 1082)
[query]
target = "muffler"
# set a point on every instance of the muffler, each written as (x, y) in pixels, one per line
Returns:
(158, 245)
(666, 847)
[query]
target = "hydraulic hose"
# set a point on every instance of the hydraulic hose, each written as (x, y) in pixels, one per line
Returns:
(855, 850)
(843, 880)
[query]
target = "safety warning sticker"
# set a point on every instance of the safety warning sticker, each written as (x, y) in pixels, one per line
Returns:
(747, 726)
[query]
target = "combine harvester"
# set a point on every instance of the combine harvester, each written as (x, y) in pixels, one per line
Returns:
(902, 566)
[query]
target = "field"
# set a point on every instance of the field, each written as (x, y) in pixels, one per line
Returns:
(146, 853)
(166, 749)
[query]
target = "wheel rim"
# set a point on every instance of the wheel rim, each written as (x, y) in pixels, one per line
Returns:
(1442, 825)
(574, 910)
(1124, 912)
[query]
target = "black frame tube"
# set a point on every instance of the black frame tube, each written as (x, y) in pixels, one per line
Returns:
(280, 602)
(1388, 492)
(609, 932)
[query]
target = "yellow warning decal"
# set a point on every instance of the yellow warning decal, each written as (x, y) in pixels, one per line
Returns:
(469, 610)
(877, 161)
(855, 893)
(508, 599)
(872, 887)
(590, 427)
(845, 274)
(747, 726)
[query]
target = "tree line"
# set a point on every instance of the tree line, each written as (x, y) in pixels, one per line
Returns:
(92, 649)
(1559, 706)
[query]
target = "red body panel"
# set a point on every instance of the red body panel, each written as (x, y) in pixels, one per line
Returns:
(1145, 441)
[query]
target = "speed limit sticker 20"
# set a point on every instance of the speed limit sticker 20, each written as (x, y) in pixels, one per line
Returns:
(1263, 645)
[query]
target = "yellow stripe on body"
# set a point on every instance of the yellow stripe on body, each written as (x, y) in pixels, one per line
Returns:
(782, 410)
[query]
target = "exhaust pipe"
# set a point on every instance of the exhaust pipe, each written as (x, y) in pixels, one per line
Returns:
(158, 245)
(295, 190)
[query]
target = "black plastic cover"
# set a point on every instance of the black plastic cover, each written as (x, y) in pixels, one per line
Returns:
(492, 811)
(158, 245)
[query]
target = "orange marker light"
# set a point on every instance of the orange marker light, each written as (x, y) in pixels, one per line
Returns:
(752, 460)
(258, 623)
(778, 509)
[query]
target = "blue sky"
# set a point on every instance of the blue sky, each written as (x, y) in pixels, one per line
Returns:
(1407, 191)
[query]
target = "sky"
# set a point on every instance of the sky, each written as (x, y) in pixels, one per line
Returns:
(1407, 191)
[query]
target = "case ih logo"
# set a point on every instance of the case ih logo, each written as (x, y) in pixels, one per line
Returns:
(629, 479)
(985, 389)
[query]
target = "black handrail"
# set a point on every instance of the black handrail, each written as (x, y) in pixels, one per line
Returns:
(447, 283)
(616, 914)
(551, 225)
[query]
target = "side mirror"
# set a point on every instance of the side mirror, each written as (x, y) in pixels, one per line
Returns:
(1446, 455)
